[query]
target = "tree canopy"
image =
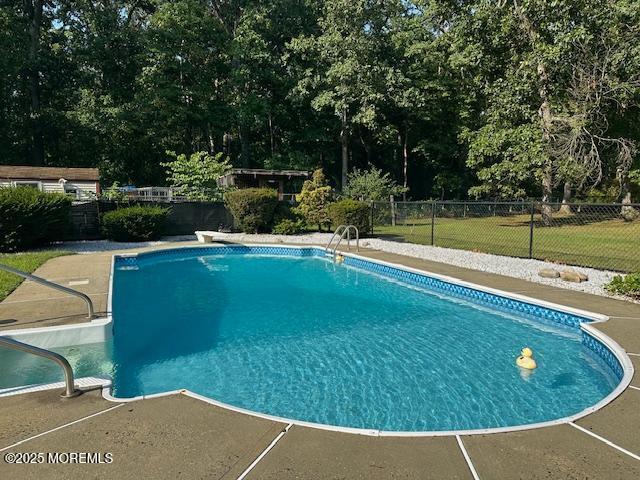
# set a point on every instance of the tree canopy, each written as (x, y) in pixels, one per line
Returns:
(451, 99)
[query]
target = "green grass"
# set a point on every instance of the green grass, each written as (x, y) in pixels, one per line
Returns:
(28, 262)
(610, 244)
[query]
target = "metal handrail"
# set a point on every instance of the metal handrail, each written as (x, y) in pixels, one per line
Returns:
(328, 247)
(47, 283)
(70, 389)
(346, 231)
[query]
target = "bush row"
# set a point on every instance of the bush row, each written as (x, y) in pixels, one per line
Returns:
(137, 223)
(257, 210)
(30, 218)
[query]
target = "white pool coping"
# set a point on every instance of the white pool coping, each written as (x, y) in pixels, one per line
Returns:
(57, 336)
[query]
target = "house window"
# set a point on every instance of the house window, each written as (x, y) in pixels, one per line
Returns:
(28, 184)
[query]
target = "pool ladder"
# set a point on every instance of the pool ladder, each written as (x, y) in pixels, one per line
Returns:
(70, 389)
(341, 232)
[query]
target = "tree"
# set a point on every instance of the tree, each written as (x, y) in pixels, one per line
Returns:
(196, 176)
(540, 127)
(372, 185)
(349, 72)
(515, 98)
(314, 200)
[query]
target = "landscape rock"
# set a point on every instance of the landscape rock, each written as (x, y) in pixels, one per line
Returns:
(629, 214)
(573, 276)
(548, 273)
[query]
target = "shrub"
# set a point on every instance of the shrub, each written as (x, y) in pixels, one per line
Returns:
(314, 200)
(287, 226)
(372, 185)
(196, 176)
(136, 223)
(252, 208)
(351, 212)
(627, 285)
(114, 194)
(286, 220)
(29, 218)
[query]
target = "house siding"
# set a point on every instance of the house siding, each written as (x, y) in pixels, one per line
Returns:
(54, 186)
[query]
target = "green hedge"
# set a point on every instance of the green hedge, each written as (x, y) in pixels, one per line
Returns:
(29, 218)
(351, 212)
(252, 208)
(132, 224)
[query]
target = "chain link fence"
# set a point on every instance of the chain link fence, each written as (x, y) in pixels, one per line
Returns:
(605, 236)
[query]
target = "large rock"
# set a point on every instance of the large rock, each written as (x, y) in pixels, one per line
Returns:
(548, 273)
(571, 275)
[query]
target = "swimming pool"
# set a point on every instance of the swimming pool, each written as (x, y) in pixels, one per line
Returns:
(289, 333)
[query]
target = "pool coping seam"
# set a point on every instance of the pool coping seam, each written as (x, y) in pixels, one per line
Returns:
(264, 453)
(60, 427)
(467, 458)
(620, 354)
(605, 441)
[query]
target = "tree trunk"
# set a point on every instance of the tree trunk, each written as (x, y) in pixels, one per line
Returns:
(405, 163)
(546, 119)
(627, 212)
(566, 199)
(545, 114)
(34, 10)
(344, 140)
(245, 146)
(226, 144)
(271, 136)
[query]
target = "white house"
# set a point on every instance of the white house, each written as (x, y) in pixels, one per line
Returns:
(80, 182)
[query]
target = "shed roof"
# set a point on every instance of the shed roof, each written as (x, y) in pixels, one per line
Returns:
(265, 172)
(48, 173)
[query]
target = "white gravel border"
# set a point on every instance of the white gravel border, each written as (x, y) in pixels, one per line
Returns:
(523, 268)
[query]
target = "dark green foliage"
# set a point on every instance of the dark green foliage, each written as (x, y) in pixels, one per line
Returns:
(442, 96)
(286, 221)
(351, 212)
(627, 285)
(132, 224)
(286, 226)
(252, 208)
(29, 218)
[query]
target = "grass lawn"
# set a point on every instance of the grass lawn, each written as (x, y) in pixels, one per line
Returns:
(610, 244)
(28, 262)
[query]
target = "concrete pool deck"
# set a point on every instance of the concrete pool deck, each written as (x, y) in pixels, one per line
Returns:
(180, 436)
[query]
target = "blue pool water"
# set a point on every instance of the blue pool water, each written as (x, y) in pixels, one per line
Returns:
(310, 340)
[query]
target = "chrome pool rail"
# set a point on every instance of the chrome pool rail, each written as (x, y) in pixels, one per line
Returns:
(55, 286)
(343, 230)
(70, 390)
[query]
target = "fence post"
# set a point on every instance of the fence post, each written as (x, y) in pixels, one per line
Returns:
(531, 230)
(372, 206)
(393, 211)
(433, 220)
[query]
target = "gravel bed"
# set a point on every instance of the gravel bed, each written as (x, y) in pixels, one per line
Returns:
(95, 246)
(512, 267)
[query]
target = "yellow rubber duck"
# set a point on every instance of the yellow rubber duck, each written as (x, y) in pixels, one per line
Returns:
(339, 259)
(525, 360)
